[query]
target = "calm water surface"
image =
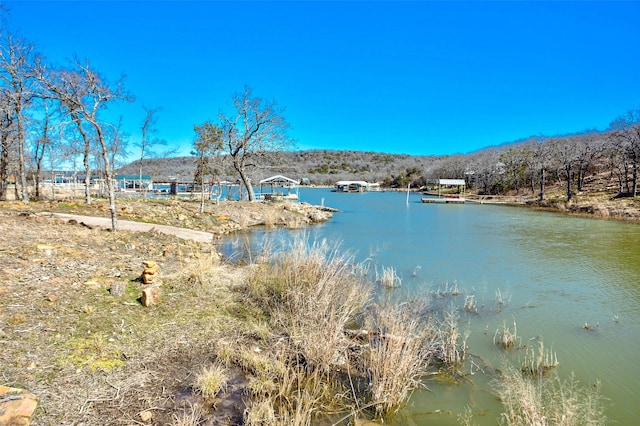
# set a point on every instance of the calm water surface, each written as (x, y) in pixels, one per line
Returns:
(554, 273)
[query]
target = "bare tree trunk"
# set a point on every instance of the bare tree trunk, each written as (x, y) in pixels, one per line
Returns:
(107, 176)
(634, 183)
(22, 165)
(246, 181)
(568, 175)
(542, 178)
(4, 166)
(85, 157)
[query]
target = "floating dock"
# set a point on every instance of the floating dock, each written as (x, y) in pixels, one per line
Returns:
(443, 200)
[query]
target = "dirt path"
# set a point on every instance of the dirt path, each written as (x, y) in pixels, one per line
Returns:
(127, 225)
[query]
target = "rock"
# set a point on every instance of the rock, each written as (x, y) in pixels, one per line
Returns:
(150, 273)
(16, 406)
(146, 416)
(117, 288)
(150, 296)
(46, 249)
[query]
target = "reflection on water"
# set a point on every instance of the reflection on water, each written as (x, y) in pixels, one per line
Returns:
(554, 274)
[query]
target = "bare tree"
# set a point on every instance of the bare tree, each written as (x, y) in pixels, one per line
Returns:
(207, 146)
(565, 153)
(514, 163)
(41, 143)
(257, 128)
(84, 94)
(589, 148)
(626, 131)
(17, 58)
(6, 141)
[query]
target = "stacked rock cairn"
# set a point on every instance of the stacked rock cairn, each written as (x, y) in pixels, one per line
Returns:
(151, 281)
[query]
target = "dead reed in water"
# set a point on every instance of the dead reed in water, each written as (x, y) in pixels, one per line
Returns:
(506, 338)
(538, 401)
(398, 354)
(388, 278)
(539, 362)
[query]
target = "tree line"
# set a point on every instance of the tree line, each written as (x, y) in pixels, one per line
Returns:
(52, 115)
(530, 165)
(524, 167)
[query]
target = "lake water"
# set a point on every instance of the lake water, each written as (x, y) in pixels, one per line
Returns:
(554, 274)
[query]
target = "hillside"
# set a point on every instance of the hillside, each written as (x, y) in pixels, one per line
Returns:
(321, 167)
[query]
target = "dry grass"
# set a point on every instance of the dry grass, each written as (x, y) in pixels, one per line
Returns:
(537, 401)
(211, 380)
(506, 338)
(539, 362)
(450, 343)
(470, 304)
(388, 277)
(398, 355)
(446, 290)
(332, 340)
(313, 293)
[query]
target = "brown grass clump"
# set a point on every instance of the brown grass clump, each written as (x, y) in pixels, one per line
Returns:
(506, 338)
(398, 355)
(342, 354)
(450, 344)
(537, 401)
(313, 293)
(539, 362)
(211, 380)
(388, 277)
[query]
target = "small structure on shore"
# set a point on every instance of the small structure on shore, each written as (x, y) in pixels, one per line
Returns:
(278, 188)
(456, 197)
(351, 186)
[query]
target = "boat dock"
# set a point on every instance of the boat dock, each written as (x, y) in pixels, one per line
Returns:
(443, 200)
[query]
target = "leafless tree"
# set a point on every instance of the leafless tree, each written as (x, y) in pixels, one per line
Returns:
(6, 141)
(565, 153)
(257, 128)
(17, 81)
(589, 147)
(84, 94)
(41, 141)
(207, 147)
(626, 132)
(148, 129)
(514, 162)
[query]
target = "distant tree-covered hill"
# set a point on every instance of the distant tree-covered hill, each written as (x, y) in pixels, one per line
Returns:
(321, 167)
(603, 160)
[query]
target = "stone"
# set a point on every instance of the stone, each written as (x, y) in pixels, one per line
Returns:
(150, 296)
(149, 263)
(146, 416)
(150, 272)
(16, 406)
(117, 288)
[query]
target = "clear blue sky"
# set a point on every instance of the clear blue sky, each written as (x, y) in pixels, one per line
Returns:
(415, 77)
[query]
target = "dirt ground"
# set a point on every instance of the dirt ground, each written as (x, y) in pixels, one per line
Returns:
(92, 357)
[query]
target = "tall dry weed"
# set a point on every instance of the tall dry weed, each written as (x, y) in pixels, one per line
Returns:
(400, 350)
(313, 293)
(540, 401)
